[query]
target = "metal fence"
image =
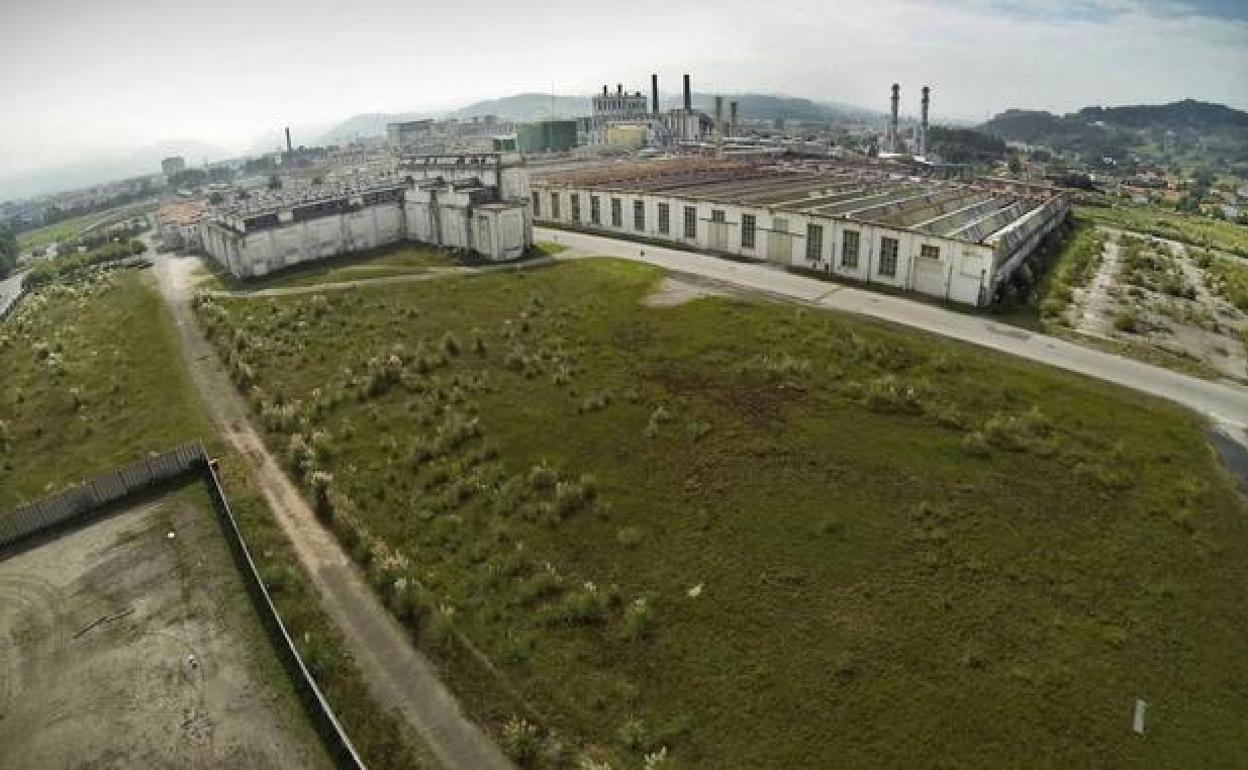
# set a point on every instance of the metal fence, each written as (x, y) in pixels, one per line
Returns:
(89, 497)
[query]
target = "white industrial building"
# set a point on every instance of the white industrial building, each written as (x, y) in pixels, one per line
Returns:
(958, 242)
(474, 203)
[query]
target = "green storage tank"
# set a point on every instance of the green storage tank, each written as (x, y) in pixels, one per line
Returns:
(546, 136)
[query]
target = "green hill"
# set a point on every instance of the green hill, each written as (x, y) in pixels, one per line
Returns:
(1201, 132)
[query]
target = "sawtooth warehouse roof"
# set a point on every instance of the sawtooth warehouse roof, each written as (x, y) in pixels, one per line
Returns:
(987, 211)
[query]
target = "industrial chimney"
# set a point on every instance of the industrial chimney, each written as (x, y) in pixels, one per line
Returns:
(923, 123)
(604, 89)
(688, 96)
(892, 120)
(619, 89)
(719, 126)
(654, 93)
(732, 119)
(289, 147)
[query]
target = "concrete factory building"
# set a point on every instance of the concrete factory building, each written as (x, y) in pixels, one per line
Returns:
(619, 119)
(958, 242)
(474, 203)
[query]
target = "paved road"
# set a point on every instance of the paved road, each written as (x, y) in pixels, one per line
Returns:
(9, 289)
(397, 674)
(1226, 403)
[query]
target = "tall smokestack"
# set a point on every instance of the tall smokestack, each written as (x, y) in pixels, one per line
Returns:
(732, 119)
(604, 89)
(923, 122)
(688, 96)
(719, 126)
(654, 93)
(289, 146)
(619, 89)
(892, 119)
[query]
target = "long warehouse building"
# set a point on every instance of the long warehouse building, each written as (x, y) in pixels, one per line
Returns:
(955, 241)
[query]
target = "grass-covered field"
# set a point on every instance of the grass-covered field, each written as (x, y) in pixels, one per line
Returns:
(88, 384)
(1164, 223)
(752, 536)
(91, 378)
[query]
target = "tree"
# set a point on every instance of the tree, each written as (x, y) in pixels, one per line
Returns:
(275, 182)
(8, 252)
(216, 199)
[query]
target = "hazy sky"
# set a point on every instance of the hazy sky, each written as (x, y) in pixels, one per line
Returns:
(85, 75)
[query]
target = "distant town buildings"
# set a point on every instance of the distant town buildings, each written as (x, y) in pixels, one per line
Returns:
(172, 165)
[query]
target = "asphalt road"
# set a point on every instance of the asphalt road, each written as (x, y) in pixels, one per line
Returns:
(9, 289)
(1225, 402)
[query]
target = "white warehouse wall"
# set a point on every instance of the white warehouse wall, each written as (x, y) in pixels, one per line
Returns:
(962, 272)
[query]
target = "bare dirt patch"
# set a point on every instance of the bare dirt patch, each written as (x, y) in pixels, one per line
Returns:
(1151, 293)
(123, 647)
(677, 291)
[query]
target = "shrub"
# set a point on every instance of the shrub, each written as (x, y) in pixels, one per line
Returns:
(442, 626)
(632, 735)
(478, 342)
(583, 606)
(541, 585)
(542, 477)
(570, 497)
(1127, 320)
(629, 537)
(638, 618)
(889, 395)
(450, 345)
(521, 741)
(976, 444)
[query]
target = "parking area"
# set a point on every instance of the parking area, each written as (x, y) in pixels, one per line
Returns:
(132, 643)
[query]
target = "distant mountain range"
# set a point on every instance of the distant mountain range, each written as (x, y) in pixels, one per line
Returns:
(529, 107)
(104, 168)
(1212, 132)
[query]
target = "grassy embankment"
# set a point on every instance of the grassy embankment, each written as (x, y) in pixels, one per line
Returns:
(754, 536)
(93, 379)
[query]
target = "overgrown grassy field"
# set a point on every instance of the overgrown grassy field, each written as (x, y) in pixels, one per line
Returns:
(1163, 223)
(1072, 264)
(90, 381)
(735, 534)
(59, 231)
(91, 378)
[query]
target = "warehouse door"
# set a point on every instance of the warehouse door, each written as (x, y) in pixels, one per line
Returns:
(929, 276)
(780, 243)
(718, 236)
(484, 247)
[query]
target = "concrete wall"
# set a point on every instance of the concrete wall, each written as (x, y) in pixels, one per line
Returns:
(961, 272)
(452, 223)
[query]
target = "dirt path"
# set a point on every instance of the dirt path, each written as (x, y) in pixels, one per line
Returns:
(398, 675)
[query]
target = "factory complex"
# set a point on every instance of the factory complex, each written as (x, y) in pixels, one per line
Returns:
(679, 177)
(955, 241)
